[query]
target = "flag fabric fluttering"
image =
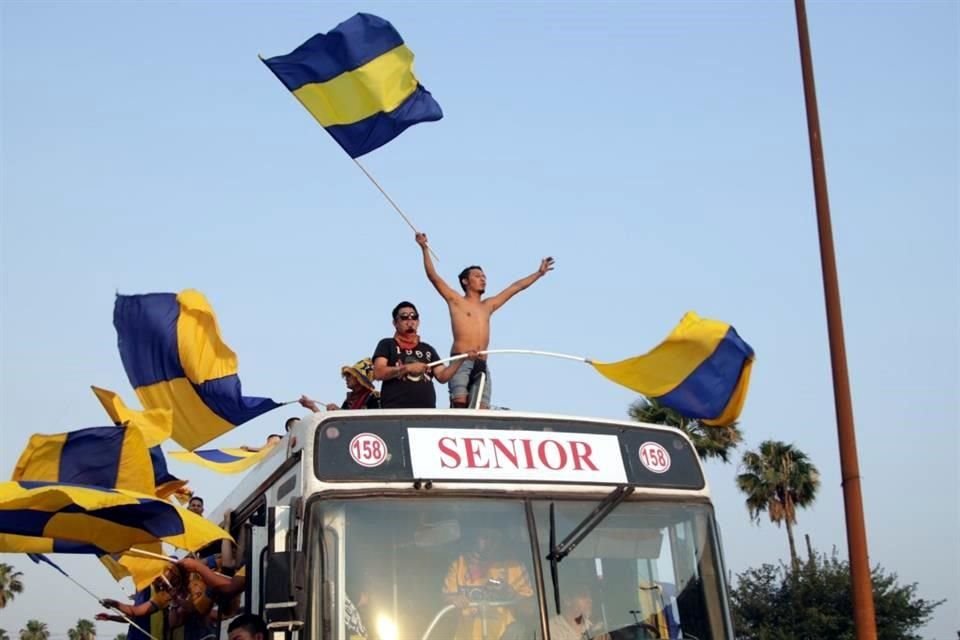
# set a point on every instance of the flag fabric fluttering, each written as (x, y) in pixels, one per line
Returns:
(111, 519)
(229, 460)
(108, 457)
(358, 82)
(175, 359)
(156, 425)
(702, 370)
(10, 543)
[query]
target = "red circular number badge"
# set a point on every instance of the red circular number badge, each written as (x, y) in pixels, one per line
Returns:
(654, 457)
(368, 450)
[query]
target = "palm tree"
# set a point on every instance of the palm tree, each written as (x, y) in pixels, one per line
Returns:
(10, 584)
(35, 630)
(85, 630)
(119, 636)
(710, 442)
(778, 478)
(4, 635)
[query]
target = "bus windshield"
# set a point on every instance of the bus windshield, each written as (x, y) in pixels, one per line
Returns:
(463, 569)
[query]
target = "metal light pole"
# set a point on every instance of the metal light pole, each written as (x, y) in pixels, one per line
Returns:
(861, 585)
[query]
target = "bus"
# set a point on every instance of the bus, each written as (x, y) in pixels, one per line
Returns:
(479, 525)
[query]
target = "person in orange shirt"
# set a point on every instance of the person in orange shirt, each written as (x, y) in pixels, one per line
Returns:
(481, 576)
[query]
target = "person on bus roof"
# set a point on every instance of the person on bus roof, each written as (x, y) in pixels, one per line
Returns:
(470, 320)
(402, 360)
(361, 393)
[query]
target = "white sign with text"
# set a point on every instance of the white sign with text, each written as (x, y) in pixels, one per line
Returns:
(487, 454)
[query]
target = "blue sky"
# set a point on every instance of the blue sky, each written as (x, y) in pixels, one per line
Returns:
(657, 150)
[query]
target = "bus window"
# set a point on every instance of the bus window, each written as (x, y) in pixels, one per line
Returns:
(428, 569)
(639, 574)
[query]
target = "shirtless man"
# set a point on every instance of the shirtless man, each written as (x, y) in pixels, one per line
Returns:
(470, 320)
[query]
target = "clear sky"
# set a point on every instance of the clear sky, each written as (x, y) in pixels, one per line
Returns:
(657, 150)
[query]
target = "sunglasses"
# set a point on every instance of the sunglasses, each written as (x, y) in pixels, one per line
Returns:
(408, 316)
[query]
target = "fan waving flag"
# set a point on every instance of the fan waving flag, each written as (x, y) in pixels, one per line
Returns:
(110, 519)
(233, 460)
(701, 370)
(358, 82)
(175, 359)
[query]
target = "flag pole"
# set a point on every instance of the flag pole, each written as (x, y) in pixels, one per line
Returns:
(861, 585)
(357, 162)
(394, 204)
(461, 356)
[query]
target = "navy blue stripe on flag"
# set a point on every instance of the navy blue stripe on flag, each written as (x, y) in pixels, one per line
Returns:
(160, 473)
(92, 456)
(156, 517)
(372, 133)
(147, 337)
(24, 522)
(217, 455)
(706, 392)
(225, 398)
(351, 44)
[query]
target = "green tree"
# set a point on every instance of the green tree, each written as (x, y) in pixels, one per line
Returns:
(85, 630)
(35, 630)
(10, 584)
(778, 479)
(119, 636)
(777, 603)
(4, 635)
(710, 442)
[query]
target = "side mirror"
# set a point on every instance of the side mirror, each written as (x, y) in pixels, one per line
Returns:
(285, 605)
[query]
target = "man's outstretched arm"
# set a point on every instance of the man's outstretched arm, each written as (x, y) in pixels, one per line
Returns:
(438, 283)
(501, 298)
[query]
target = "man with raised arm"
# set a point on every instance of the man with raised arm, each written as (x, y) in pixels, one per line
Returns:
(470, 320)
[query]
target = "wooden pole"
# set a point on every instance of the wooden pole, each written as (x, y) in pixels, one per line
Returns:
(864, 615)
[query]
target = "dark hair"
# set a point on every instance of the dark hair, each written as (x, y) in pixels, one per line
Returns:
(290, 422)
(466, 274)
(396, 309)
(192, 498)
(251, 622)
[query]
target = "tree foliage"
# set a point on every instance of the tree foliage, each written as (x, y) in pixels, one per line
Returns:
(10, 584)
(778, 479)
(35, 630)
(84, 630)
(710, 442)
(773, 603)
(4, 635)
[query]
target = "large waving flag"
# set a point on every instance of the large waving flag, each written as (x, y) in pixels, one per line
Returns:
(228, 460)
(108, 457)
(358, 82)
(175, 359)
(113, 520)
(155, 425)
(702, 370)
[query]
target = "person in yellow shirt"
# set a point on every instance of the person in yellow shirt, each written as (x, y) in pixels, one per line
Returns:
(483, 575)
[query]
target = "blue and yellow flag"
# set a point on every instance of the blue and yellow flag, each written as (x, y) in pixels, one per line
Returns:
(156, 425)
(108, 457)
(223, 460)
(10, 543)
(175, 359)
(111, 519)
(357, 81)
(701, 370)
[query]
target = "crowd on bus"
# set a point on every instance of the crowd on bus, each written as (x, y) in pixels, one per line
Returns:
(407, 366)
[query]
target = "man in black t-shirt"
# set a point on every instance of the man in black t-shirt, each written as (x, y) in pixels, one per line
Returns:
(401, 363)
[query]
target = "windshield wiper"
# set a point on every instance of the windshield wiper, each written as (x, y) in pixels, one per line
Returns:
(560, 551)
